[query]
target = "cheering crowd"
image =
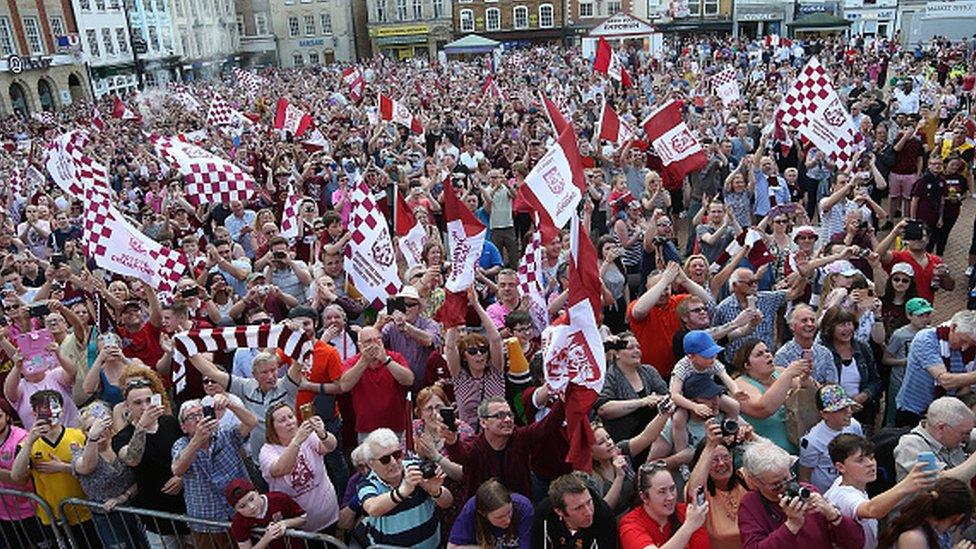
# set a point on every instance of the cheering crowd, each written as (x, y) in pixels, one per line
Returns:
(773, 376)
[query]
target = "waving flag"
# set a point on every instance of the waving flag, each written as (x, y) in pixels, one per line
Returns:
(573, 352)
(612, 128)
(557, 181)
(209, 178)
(679, 150)
(289, 216)
(251, 81)
(465, 238)
(97, 119)
(556, 118)
(530, 271)
(758, 254)
(221, 113)
(353, 78)
(391, 109)
(490, 87)
(726, 86)
(122, 111)
(411, 235)
(608, 63)
(291, 119)
(813, 108)
(369, 256)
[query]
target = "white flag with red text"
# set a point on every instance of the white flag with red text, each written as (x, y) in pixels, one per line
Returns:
(290, 118)
(370, 259)
(679, 150)
(557, 180)
(391, 109)
(465, 239)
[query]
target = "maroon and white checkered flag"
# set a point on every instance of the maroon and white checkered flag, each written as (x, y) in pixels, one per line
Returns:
(813, 108)
(530, 271)
(209, 178)
(46, 118)
(370, 259)
(725, 85)
(221, 113)
(293, 343)
(251, 82)
(289, 217)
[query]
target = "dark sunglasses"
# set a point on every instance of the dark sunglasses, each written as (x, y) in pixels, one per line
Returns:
(385, 460)
(480, 350)
(209, 382)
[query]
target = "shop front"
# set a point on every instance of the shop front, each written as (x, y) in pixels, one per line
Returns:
(756, 20)
(403, 41)
(41, 83)
(871, 21)
(623, 28)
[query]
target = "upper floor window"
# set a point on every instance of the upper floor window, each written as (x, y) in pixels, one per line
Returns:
(521, 17)
(493, 19)
(545, 16)
(33, 31)
(467, 20)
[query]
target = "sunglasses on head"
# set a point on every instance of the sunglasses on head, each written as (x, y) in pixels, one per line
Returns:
(479, 350)
(385, 460)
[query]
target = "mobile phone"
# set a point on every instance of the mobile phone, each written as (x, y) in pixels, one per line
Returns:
(279, 255)
(55, 408)
(39, 311)
(395, 304)
(700, 496)
(58, 259)
(209, 412)
(190, 292)
(449, 416)
(751, 301)
(928, 458)
(665, 405)
(307, 410)
(110, 338)
(156, 400)
(913, 230)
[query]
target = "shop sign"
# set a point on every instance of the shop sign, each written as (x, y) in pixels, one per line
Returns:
(621, 24)
(311, 43)
(20, 63)
(400, 30)
(820, 7)
(949, 10)
(759, 16)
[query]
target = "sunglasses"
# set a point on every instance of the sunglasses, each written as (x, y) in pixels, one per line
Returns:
(385, 460)
(209, 382)
(697, 310)
(480, 350)
(781, 221)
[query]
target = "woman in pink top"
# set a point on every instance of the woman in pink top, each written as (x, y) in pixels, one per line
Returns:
(27, 377)
(15, 512)
(291, 461)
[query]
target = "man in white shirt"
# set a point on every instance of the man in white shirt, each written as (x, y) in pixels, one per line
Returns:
(907, 97)
(836, 413)
(853, 457)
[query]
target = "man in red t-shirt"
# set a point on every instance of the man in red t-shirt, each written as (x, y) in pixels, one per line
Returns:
(378, 380)
(926, 265)
(140, 338)
(274, 511)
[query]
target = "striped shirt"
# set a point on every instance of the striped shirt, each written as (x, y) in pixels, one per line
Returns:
(410, 524)
(918, 388)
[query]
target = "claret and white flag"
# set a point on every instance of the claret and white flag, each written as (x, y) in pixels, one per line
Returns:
(291, 119)
(369, 256)
(680, 151)
(812, 107)
(391, 109)
(209, 178)
(354, 79)
(726, 86)
(557, 180)
(607, 62)
(613, 128)
(465, 239)
(411, 236)
(530, 272)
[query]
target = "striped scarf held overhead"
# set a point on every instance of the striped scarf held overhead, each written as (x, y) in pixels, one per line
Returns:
(294, 344)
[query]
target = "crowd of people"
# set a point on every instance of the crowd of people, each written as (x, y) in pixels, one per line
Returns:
(802, 396)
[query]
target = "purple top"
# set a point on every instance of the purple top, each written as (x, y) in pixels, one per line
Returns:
(465, 533)
(411, 349)
(762, 525)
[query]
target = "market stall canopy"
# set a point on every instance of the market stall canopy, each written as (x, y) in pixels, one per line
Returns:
(622, 25)
(819, 22)
(471, 43)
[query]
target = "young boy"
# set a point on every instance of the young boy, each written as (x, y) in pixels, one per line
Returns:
(274, 511)
(836, 413)
(919, 312)
(853, 457)
(700, 350)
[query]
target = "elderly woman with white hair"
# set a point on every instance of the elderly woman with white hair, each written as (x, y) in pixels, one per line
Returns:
(397, 512)
(780, 513)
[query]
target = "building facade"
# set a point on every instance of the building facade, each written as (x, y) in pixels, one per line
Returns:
(872, 18)
(151, 30)
(512, 22)
(105, 44)
(755, 18)
(34, 75)
(258, 47)
(312, 32)
(409, 28)
(206, 36)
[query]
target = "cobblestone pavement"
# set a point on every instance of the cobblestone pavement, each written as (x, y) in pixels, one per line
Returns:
(957, 257)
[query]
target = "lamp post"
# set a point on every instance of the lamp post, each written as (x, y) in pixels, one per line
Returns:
(135, 45)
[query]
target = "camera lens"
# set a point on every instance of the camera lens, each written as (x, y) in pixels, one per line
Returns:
(730, 427)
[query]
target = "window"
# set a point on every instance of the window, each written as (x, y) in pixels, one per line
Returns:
(309, 25)
(326, 23)
(521, 17)
(260, 24)
(613, 6)
(122, 40)
(153, 38)
(711, 7)
(85, 5)
(493, 19)
(401, 10)
(178, 7)
(381, 13)
(293, 26)
(107, 40)
(33, 32)
(438, 8)
(184, 42)
(6, 37)
(92, 42)
(467, 20)
(313, 58)
(545, 16)
(100, 5)
(418, 9)
(694, 8)
(240, 25)
(57, 25)
(586, 9)
(297, 59)
(161, 6)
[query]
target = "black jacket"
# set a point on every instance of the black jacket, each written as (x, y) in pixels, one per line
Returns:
(549, 531)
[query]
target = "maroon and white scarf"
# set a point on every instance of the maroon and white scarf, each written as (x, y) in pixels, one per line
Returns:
(968, 355)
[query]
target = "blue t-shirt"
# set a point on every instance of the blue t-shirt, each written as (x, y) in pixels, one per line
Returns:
(917, 390)
(490, 256)
(464, 531)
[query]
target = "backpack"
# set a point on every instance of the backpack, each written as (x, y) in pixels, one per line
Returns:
(885, 441)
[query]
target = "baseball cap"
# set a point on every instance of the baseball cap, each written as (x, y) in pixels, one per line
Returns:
(842, 267)
(131, 304)
(409, 292)
(903, 268)
(302, 312)
(254, 276)
(700, 342)
(918, 306)
(237, 489)
(805, 229)
(701, 385)
(833, 398)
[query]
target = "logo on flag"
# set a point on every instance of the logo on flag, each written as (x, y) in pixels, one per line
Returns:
(557, 179)
(369, 253)
(209, 178)
(678, 148)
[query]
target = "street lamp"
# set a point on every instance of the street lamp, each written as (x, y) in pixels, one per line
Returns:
(135, 44)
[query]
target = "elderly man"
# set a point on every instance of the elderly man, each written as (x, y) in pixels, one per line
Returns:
(771, 518)
(744, 287)
(410, 334)
(377, 381)
(209, 458)
(397, 513)
(802, 321)
(944, 432)
(943, 356)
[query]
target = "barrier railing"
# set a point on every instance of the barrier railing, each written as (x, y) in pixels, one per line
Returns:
(28, 531)
(137, 528)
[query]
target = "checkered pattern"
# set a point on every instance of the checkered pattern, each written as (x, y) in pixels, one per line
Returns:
(209, 179)
(265, 336)
(45, 117)
(220, 113)
(811, 89)
(188, 102)
(727, 78)
(368, 229)
(289, 217)
(251, 82)
(530, 281)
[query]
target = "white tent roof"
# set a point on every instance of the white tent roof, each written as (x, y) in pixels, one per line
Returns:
(622, 25)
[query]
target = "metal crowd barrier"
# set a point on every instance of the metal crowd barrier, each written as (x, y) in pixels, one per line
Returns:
(125, 528)
(28, 531)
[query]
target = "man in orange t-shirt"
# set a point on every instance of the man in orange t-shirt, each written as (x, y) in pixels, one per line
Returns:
(653, 317)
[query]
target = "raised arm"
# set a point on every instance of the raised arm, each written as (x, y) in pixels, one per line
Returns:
(650, 298)
(491, 332)
(208, 369)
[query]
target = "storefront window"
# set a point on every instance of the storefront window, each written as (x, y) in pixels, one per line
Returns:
(18, 99)
(45, 95)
